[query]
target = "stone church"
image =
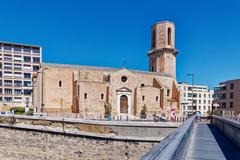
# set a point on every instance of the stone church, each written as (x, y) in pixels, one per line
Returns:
(87, 90)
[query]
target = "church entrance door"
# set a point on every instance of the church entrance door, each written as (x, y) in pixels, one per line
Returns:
(124, 104)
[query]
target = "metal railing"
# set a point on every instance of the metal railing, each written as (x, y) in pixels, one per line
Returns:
(175, 145)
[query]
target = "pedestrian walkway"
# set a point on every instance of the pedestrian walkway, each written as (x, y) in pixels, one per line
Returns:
(207, 143)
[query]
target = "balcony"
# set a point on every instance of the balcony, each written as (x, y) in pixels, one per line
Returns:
(220, 88)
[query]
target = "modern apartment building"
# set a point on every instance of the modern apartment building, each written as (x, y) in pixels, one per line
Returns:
(18, 62)
(198, 96)
(227, 95)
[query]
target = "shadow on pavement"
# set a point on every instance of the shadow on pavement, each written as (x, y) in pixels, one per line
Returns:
(230, 151)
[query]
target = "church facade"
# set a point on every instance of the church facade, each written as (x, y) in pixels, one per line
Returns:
(88, 91)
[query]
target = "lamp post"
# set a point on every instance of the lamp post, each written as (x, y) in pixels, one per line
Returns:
(192, 75)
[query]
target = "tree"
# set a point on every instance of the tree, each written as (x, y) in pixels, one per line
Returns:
(108, 109)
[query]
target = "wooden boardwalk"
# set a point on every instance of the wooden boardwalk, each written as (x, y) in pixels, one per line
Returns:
(207, 143)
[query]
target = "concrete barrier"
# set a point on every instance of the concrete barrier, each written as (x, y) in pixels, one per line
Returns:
(115, 130)
(175, 145)
(229, 127)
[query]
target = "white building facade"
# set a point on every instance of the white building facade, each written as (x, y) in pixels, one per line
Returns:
(18, 63)
(196, 98)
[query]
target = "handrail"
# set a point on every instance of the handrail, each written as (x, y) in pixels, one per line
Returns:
(175, 145)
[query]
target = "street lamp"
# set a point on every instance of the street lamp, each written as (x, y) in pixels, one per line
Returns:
(192, 75)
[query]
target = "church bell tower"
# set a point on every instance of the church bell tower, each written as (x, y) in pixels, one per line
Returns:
(162, 56)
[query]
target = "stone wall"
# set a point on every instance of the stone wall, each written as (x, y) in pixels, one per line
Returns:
(117, 130)
(28, 145)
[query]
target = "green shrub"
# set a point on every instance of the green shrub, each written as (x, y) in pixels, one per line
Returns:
(18, 110)
(21, 110)
(30, 112)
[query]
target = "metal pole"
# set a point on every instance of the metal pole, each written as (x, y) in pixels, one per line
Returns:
(42, 104)
(192, 90)
(192, 75)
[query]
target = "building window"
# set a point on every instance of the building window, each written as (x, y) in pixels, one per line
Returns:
(142, 85)
(231, 104)
(26, 49)
(27, 91)
(7, 47)
(232, 86)
(168, 92)
(35, 68)
(123, 78)
(204, 95)
(204, 107)
(8, 91)
(223, 105)
(85, 95)
(17, 48)
(190, 88)
(156, 98)
(204, 101)
(189, 94)
(36, 59)
(7, 82)
(17, 91)
(8, 99)
(27, 75)
(231, 95)
(27, 83)
(102, 96)
(169, 36)
(17, 83)
(143, 98)
(36, 50)
(222, 96)
(60, 83)
(26, 59)
(153, 38)
(199, 101)
(199, 107)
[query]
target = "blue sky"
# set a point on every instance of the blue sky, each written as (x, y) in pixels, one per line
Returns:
(108, 32)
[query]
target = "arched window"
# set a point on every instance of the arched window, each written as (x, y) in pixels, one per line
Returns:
(102, 96)
(169, 36)
(153, 38)
(60, 83)
(85, 95)
(143, 98)
(156, 98)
